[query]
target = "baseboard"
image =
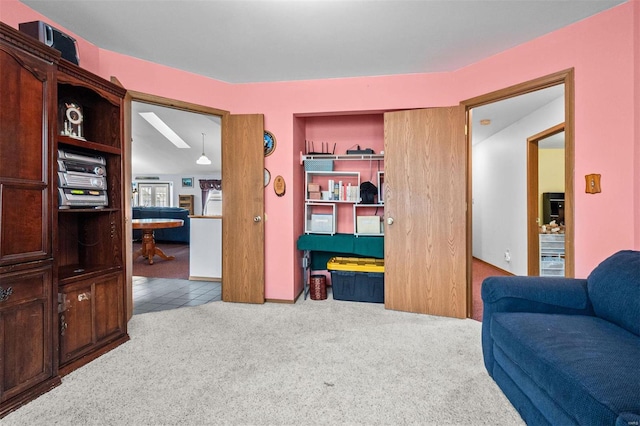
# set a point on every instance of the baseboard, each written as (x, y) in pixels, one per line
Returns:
(85, 359)
(494, 266)
(212, 279)
(291, 302)
(295, 299)
(28, 396)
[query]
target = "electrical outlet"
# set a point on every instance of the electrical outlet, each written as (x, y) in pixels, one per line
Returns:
(507, 256)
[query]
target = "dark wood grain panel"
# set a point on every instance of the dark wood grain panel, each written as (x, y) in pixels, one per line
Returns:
(26, 332)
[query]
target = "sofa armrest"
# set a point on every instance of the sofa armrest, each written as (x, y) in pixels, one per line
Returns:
(566, 296)
(536, 294)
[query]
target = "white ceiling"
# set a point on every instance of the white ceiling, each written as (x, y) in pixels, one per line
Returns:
(281, 40)
(153, 154)
(507, 112)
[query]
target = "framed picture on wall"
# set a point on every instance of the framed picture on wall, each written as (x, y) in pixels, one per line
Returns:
(269, 143)
(187, 182)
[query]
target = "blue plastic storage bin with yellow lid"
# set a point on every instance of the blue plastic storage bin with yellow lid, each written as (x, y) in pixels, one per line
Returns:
(357, 279)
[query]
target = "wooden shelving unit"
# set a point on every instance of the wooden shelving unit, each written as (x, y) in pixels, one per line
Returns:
(90, 242)
(186, 202)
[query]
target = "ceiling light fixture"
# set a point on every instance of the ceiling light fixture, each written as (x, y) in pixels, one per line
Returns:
(485, 122)
(203, 158)
(165, 130)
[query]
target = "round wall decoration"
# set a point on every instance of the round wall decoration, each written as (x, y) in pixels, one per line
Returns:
(279, 186)
(267, 177)
(269, 143)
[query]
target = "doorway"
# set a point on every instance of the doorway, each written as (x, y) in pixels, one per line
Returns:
(183, 181)
(545, 200)
(504, 252)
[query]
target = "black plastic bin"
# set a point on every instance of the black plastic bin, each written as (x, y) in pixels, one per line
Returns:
(358, 286)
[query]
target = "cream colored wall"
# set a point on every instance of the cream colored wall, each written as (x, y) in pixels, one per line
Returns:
(550, 173)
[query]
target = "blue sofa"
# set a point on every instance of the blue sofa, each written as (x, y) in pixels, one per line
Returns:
(171, 235)
(567, 351)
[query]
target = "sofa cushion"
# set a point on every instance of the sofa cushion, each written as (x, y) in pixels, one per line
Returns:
(614, 290)
(586, 365)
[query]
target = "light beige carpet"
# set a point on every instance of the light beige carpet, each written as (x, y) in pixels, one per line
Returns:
(315, 362)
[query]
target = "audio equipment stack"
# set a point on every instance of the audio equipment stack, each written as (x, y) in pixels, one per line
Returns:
(82, 180)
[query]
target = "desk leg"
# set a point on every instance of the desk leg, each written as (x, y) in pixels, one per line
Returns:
(306, 270)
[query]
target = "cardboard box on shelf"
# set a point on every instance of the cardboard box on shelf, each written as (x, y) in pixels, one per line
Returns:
(368, 224)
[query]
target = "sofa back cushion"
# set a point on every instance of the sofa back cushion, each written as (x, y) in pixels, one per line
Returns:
(614, 290)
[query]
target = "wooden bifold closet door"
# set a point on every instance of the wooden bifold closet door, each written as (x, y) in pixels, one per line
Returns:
(425, 211)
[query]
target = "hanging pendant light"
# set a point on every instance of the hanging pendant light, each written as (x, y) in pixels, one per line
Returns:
(203, 158)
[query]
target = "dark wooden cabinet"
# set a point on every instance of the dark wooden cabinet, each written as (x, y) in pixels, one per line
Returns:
(25, 326)
(92, 314)
(27, 99)
(62, 273)
(28, 362)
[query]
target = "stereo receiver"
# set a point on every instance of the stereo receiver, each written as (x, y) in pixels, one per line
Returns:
(81, 180)
(64, 154)
(86, 168)
(69, 197)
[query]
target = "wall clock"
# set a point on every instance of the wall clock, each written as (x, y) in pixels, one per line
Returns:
(269, 143)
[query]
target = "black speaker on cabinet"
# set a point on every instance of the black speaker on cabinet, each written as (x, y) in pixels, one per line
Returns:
(52, 37)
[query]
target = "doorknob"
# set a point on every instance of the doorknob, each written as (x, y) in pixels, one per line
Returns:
(389, 221)
(257, 219)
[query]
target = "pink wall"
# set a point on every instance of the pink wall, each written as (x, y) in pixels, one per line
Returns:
(636, 138)
(601, 49)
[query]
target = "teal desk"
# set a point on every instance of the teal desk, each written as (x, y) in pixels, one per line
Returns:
(319, 248)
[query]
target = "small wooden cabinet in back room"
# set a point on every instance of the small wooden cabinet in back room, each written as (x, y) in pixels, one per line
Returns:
(186, 202)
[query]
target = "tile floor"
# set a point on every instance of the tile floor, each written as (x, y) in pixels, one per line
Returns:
(160, 294)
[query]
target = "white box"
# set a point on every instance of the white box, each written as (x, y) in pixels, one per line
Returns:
(322, 223)
(368, 224)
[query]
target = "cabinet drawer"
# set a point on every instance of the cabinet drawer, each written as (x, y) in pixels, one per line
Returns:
(23, 286)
